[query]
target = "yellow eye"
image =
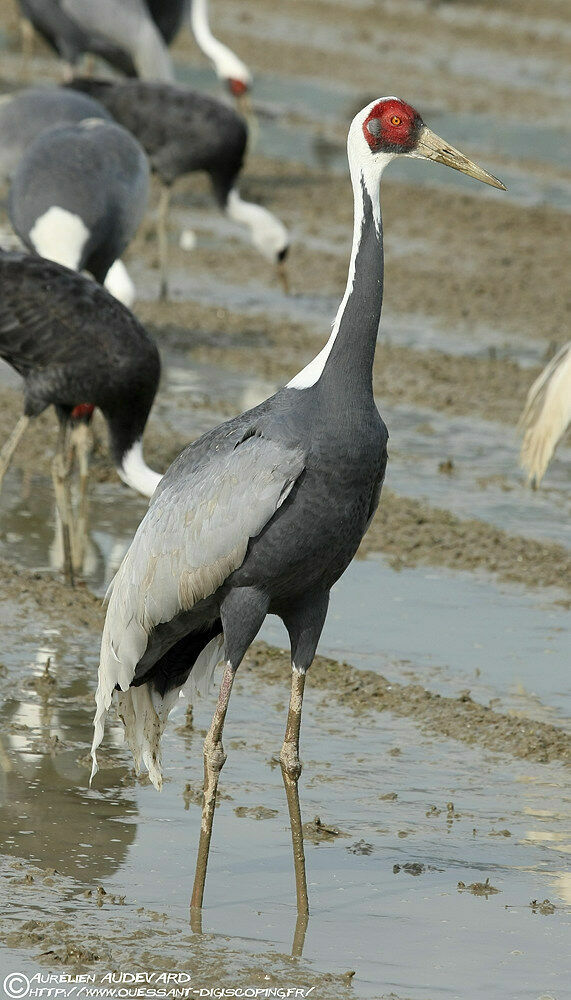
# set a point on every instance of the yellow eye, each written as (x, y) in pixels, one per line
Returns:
(395, 120)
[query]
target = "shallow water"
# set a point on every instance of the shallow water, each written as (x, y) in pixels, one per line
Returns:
(502, 145)
(362, 909)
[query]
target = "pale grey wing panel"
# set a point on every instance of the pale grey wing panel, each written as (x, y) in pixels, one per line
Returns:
(128, 25)
(194, 535)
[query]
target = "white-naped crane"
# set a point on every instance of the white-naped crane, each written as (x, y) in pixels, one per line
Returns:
(78, 197)
(546, 416)
(263, 513)
(183, 131)
(133, 36)
(77, 348)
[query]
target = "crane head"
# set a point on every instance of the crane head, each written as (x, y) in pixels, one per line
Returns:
(392, 127)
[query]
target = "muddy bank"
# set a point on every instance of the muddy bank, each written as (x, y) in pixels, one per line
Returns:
(360, 690)
(459, 718)
(410, 532)
(465, 260)
(94, 931)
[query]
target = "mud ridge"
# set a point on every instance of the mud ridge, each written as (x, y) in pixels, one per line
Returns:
(458, 718)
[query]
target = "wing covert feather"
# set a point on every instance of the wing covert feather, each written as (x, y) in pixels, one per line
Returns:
(194, 535)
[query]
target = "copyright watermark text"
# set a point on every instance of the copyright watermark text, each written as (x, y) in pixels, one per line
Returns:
(127, 985)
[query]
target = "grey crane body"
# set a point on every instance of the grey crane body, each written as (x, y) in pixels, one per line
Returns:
(74, 344)
(180, 129)
(264, 513)
(331, 444)
(291, 565)
(59, 26)
(25, 114)
(79, 194)
(133, 35)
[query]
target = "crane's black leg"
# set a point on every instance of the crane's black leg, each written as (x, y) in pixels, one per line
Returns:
(10, 446)
(242, 612)
(162, 235)
(304, 623)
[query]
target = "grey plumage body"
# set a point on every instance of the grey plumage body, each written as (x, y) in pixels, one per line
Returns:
(327, 485)
(263, 513)
(73, 344)
(181, 130)
(95, 171)
(123, 33)
(24, 115)
(132, 35)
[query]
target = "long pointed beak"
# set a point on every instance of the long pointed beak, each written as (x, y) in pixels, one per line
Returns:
(431, 147)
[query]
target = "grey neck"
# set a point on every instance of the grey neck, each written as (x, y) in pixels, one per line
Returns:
(344, 366)
(349, 367)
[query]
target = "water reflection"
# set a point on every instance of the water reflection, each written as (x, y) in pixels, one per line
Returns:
(47, 812)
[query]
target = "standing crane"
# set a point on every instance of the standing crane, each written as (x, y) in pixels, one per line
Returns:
(546, 415)
(263, 513)
(183, 131)
(77, 348)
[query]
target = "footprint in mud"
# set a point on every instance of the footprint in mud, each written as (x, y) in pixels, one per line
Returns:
(256, 812)
(361, 847)
(318, 831)
(479, 888)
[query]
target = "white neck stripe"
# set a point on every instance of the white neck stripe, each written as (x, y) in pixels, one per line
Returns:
(136, 473)
(366, 170)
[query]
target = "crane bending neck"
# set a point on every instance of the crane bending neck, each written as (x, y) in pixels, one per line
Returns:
(135, 472)
(351, 346)
(226, 63)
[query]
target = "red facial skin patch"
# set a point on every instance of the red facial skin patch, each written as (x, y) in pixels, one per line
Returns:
(393, 126)
(237, 87)
(83, 411)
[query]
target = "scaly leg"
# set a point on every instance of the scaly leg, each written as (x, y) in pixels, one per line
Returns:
(214, 760)
(61, 468)
(291, 770)
(162, 235)
(81, 441)
(10, 446)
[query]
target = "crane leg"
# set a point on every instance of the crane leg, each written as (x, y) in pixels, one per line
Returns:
(214, 760)
(10, 446)
(61, 468)
(81, 440)
(291, 770)
(162, 236)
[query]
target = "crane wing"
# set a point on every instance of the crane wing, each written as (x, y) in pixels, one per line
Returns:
(211, 502)
(49, 315)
